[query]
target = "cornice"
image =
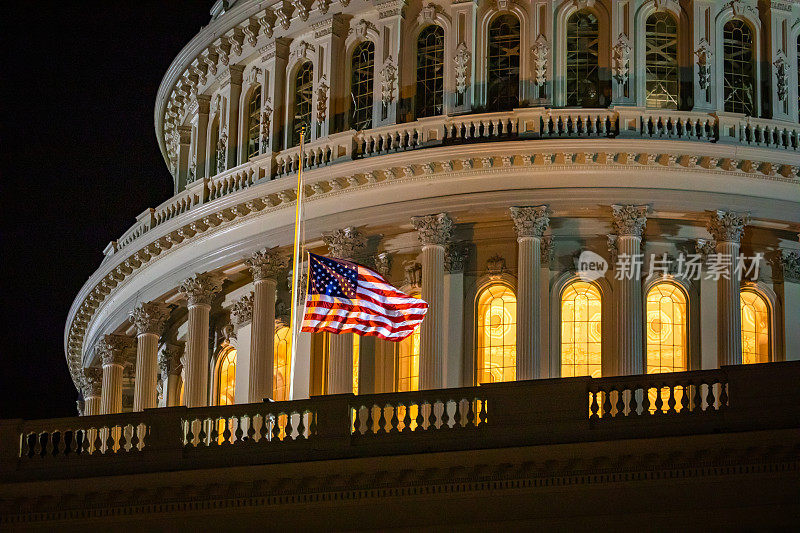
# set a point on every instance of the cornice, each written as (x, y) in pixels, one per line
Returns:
(267, 197)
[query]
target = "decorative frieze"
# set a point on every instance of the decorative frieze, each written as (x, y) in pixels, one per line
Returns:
(267, 264)
(346, 243)
(530, 221)
(201, 289)
(629, 220)
(150, 317)
(727, 226)
(434, 230)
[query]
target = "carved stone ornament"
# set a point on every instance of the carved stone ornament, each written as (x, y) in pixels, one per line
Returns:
(302, 9)
(302, 50)
(267, 23)
(611, 246)
(705, 247)
(413, 274)
(547, 251)
(346, 243)
(324, 6)
(388, 81)
(496, 265)
(266, 117)
(383, 264)
(539, 52)
(790, 264)
(267, 264)
(253, 75)
(91, 382)
(221, 145)
(434, 230)
(201, 289)
(361, 28)
(530, 221)
(620, 57)
(462, 59)
(727, 226)
(322, 100)
(170, 359)
(283, 15)
(113, 349)
(455, 257)
(781, 77)
(427, 14)
(704, 64)
(242, 310)
(150, 317)
(629, 220)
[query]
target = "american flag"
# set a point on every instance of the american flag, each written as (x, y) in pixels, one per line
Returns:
(345, 297)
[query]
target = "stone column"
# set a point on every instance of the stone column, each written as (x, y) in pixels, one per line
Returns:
(727, 229)
(266, 266)
(184, 158)
(202, 103)
(530, 223)
(629, 222)
(791, 303)
(708, 308)
(91, 389)
(169, 363)
(454, 262)
(199, 290)
(111, 350)
(149, 319)
(349, 244)
(435, 232)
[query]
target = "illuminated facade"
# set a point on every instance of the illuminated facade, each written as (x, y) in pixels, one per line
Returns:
(469, 152)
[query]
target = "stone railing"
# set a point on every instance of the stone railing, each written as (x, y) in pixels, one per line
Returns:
(734, 398)
(519, 124)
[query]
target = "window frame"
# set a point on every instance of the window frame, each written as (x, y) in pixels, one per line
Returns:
(488, 68)
(669, 280)
(369, 122)
(677, 63)
(477, 357)
(776, 352)
(442, 78)
(254, 104)
(222, 354)
(294, 132)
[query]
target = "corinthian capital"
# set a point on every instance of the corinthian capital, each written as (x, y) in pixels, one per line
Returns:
(242, 310)
(201, 288)
(530, 221)
(150, 317)
(267, 264)
(113, 349)
(629, 220)
(790, 264)
(91, 381)
(727, 226)
(169, 359)
(434, 230)
(347, 243)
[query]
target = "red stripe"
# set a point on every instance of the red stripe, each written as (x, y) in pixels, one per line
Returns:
(363, 334)
(416, 310)
(367, 322)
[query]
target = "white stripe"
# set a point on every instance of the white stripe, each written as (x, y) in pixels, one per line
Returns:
(410, 318)
(344, 328)
(341, 317)
(369, 305)
(396, 300)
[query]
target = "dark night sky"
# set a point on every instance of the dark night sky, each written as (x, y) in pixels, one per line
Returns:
(78, 162)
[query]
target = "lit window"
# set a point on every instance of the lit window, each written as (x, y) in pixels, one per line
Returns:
(755, 328)
(666, 329)
(356, 354)
(662, 61)
(254, 122)
(226, 377)
(408, 361)
(430, 72)
(503, 63)
(583, 82)
(739, 75)
(361, 96)
(497, 334)
(283, 354)
(581, 321)
(304, 89)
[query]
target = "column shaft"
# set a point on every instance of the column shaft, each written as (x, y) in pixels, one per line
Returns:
(340, 363)
(729, 318)
(195, 391)
(145, 396)
(173, 390)
(630, 312)
(262, 341)
(528, 343)
(91, 406)
(431, 359)
(111, 396)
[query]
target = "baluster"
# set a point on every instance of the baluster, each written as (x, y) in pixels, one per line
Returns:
(98, 443)
(671, 400)
(394, 420)
(594, 407)
(420, 417)
(659, 401)
(685, 398)
(607, 402)
(215, 431)
(710, 400)
(264, 430)
(407, 417)
(109, 440)
(370, 420)
(723, 396)
(483, 414)
(239, 433)
(646, 400)
(189, 434)
(445, 415)
(202, 435)
(226, 430)
(276, 427)
(382, 420)
(633, 401)
(301, 425)
(289, 428)
(135, 440)
(470, 414)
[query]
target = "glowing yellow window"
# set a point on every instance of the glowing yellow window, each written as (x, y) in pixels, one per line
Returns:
(356, 353)
(226, 377)
(581, 326)
(497, 334)
(666, 329)
(755, 328)
(280, 374)
(408, 363)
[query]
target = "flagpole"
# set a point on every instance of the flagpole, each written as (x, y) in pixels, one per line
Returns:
(296, 263)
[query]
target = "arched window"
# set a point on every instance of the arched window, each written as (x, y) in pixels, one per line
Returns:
(361, 96)
(226, 377)
(755, 327)
(283, 355)
(739, 70)
(304, 94)
(666, 329)
(503, 63)
(497, 334)
(430, 72)
(661, 58)
(581, 330)
(407, 370)
(583, 79)
(254, 122)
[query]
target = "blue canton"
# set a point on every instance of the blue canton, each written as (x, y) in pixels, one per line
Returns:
(332, 277)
